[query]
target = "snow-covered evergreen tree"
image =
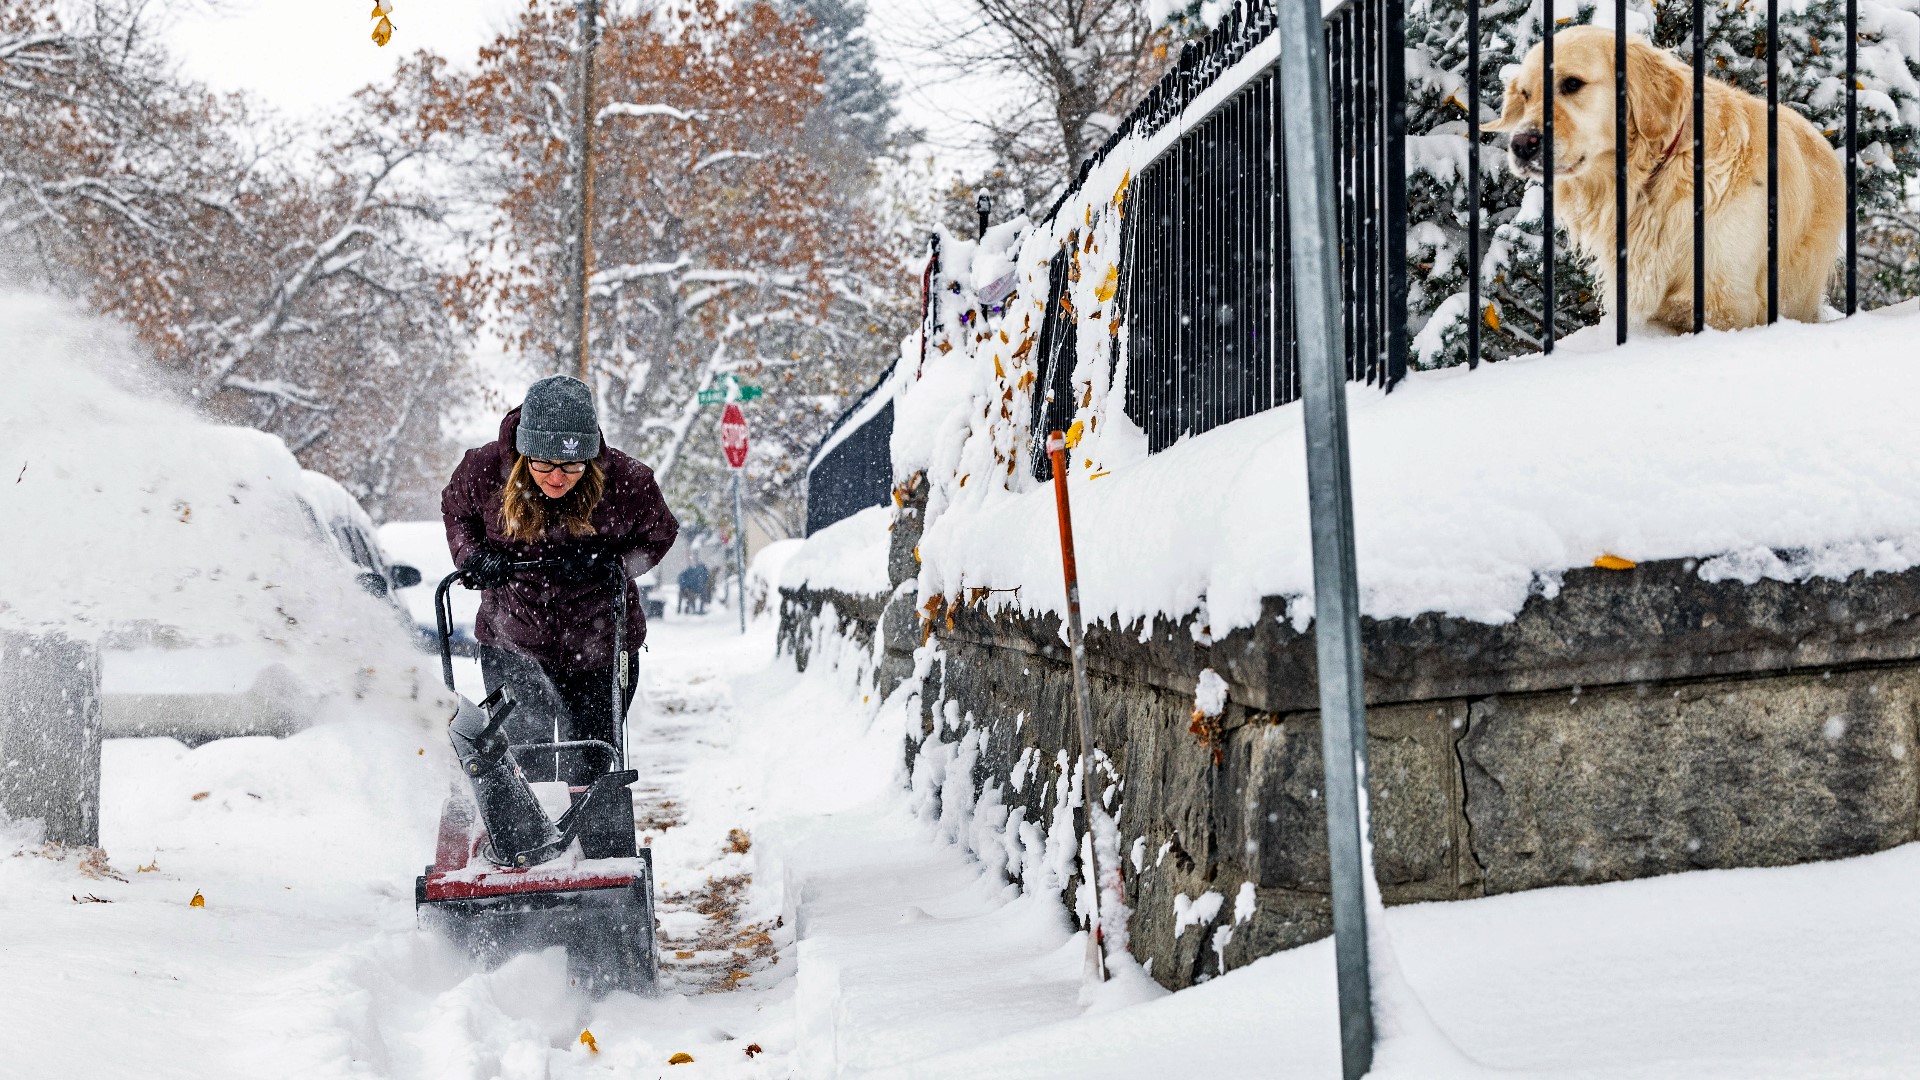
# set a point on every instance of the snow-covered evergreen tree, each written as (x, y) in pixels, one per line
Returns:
(858, 99)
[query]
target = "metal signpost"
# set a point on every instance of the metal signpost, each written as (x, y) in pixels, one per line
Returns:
(1336, 611)
(733, 440)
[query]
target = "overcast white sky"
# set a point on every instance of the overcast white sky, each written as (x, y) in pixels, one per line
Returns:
(306, 56)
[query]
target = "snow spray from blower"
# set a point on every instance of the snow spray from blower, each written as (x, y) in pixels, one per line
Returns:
(1096, 968)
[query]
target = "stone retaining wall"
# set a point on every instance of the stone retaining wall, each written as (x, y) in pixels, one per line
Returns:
(1640, 722)
(1633, 723)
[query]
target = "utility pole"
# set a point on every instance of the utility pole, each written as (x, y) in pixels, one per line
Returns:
(579, 308)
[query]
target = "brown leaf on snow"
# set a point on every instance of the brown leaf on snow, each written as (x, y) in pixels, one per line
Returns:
(93, 864)
(754, 1048)
(201, 796)
(681, 1058)
(738, 841)
(198, 900)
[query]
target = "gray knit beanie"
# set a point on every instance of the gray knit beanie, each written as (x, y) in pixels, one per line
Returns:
(557, 421)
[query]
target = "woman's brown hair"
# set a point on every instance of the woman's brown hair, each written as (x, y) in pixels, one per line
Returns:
(524, 508)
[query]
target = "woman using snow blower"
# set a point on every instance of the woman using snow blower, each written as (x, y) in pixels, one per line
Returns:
(549, 490)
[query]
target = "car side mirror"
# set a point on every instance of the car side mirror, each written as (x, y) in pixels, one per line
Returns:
(404, 576)
(373, 583)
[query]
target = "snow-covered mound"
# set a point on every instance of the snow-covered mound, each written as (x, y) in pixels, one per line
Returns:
(1474, 490)
(848, 556)
(122, 511)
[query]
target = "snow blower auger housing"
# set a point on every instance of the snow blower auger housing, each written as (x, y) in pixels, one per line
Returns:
(507, 879)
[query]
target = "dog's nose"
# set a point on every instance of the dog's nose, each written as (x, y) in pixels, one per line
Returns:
(1525, 145)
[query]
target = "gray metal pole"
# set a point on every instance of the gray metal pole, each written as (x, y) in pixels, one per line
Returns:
(1336, 617)
(739, 552)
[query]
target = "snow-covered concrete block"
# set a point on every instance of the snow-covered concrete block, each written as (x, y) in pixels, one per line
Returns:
(50, 735)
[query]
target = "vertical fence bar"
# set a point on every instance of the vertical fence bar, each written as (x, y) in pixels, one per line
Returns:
(1699, 165)
(1395, 78)
(1853, 155)
(1773, 161)
(1620, 171)
(1546, 183)
(1311, 197)
(1475, 316)
(1367, 197)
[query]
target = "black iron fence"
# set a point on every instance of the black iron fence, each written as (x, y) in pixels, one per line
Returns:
(1205, 280)
(852, 468)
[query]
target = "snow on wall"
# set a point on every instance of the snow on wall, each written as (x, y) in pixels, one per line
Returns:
(847, 556)
(1476, 489)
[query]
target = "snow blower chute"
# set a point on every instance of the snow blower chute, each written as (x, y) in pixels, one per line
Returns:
(507, 879)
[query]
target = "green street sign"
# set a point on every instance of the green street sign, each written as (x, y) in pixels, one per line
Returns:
(734, 390)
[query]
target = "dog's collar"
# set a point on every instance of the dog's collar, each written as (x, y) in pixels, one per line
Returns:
(1665, 156)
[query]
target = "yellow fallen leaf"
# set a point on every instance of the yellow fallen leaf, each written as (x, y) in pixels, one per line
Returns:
(681, 1058)
(998, 371)
(381, 7)
(149, 868)
(1108, 285)
(1493, 317)
(586, 1040)
(1614, 562)
(198, 900)
(382, 31)
(1078, 429)
(682, 954)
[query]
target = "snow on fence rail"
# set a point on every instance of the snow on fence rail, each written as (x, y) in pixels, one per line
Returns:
(1196, 302)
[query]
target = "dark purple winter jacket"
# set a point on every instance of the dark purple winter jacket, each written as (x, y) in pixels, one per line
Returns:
(566, 627)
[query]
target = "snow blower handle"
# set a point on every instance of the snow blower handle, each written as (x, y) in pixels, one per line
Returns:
(443, 608)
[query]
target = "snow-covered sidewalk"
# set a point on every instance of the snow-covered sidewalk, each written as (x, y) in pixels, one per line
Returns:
(809, 916)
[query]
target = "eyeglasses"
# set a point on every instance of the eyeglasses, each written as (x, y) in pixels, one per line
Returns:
(571, 468)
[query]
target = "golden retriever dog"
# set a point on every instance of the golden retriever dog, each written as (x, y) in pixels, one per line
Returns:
(1659, 150)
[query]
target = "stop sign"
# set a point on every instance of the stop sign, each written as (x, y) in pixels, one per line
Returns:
(733, 435)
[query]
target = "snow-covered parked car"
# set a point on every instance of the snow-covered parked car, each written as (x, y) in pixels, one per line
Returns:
(154, 683)
(338, 518)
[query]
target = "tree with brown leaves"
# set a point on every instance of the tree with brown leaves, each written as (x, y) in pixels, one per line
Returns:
(722, 243)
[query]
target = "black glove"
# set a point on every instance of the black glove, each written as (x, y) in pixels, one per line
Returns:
(580, 567)
(487, 568)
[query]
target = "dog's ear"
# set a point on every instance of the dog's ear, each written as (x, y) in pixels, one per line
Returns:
(1511, 108)
(1659, 99)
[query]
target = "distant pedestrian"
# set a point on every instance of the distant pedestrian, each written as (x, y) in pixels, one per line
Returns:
(702, 584)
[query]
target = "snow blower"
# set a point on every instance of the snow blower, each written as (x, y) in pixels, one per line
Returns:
(507, 879)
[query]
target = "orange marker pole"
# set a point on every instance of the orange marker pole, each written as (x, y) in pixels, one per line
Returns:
(1082, 697)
